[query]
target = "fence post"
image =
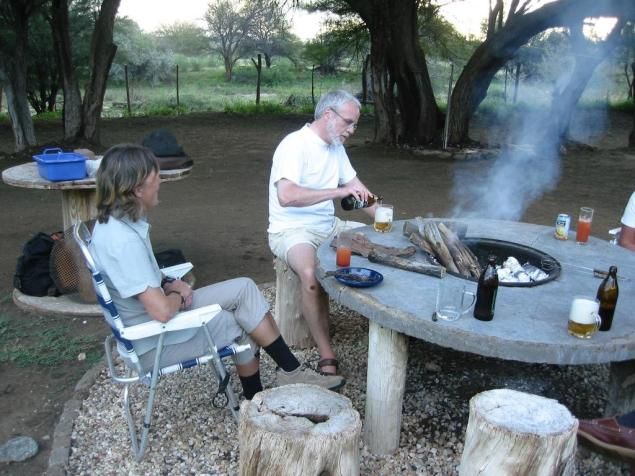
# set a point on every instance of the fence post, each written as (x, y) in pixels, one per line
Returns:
(125, 68)
(313, 85)
(178, 103)
(447, 112)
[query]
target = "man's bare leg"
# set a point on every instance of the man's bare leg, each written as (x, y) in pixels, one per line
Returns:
(301, 258)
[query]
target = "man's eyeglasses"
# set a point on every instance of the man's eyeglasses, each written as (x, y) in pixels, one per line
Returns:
(349, 122)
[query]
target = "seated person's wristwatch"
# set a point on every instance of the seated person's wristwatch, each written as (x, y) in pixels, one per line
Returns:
(166, 280)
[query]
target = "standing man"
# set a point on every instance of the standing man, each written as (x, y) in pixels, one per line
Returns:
(310, 169)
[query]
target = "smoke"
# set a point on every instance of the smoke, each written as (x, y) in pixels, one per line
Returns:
(505, 187)
(514, 180)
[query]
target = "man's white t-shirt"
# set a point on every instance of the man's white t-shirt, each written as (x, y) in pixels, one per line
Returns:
(306, 160)
(628, 218)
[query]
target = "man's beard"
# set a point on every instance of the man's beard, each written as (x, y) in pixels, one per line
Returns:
(333, 136)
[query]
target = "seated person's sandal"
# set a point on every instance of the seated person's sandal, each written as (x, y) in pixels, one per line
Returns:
(328, 363)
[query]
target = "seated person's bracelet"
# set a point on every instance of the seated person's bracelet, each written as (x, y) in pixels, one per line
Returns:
(180, 295)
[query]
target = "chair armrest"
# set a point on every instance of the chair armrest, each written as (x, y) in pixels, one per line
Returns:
(183, 320)
(615, 231)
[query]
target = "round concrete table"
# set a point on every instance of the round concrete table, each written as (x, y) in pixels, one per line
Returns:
(529, 325)
(78, 196)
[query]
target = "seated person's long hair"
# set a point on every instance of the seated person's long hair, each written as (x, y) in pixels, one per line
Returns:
(123, 168)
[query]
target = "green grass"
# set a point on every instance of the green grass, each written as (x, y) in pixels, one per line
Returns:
(32, 343)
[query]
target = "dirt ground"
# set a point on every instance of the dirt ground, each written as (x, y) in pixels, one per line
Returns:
(218, 217)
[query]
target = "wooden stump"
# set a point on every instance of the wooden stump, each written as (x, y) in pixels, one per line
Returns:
(288, 307)
(515, 433)
(299, 430)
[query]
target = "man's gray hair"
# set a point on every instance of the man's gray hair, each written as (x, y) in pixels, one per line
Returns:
(334, 100)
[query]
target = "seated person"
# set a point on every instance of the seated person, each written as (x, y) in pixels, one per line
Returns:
(613, 434)
(627, 234)
(127, 188)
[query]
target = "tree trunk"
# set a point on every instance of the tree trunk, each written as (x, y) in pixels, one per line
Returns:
(72, 112)
(288, 307)
(491, 55)
(229, 66)
(405, 108)
(13, 75)
(258, 65)
(102, 52)
(267, 60)
(297, 430)
(565, 101)
(367, 80)
(515, 433)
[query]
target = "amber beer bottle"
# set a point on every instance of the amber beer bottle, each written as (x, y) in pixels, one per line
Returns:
(486, 291)
(607, 295)
(351, 203)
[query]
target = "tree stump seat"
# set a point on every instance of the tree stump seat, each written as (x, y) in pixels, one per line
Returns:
(299, 430)
(515, 433)
(288, 307)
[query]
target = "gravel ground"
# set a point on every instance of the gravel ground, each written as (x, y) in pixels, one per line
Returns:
(190, 436)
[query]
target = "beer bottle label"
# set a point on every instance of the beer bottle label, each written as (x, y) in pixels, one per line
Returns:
(359, 204)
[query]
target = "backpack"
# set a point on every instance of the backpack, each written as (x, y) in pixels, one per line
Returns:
(167, 150)
(32, 274)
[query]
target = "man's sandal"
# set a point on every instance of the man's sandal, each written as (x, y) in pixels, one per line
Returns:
(328, 363)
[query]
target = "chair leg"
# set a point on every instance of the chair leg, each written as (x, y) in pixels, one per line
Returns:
(221, 375)
(129, 418)
(139, 444)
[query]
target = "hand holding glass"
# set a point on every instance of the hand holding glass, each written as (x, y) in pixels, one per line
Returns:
(584, 319)
(343, 249)
(584, 225)
(453, 300)
(383, 218)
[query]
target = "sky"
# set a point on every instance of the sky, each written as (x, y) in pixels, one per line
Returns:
(150, 14)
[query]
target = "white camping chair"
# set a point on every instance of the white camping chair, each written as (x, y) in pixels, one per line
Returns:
(124, 336)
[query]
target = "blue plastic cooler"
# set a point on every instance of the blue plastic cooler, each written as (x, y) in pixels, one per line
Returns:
(56, 165)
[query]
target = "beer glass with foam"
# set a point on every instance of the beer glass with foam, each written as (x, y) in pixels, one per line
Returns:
(584, 317)
(383, 218)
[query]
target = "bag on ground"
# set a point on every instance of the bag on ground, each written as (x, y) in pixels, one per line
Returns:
(32, 273)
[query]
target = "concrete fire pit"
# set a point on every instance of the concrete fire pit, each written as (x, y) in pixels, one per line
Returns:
(530, 324)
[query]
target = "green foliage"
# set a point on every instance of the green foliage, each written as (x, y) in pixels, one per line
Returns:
(48, 116)
(28, 342)
(183, 38)
(138, 50)
(624, 106)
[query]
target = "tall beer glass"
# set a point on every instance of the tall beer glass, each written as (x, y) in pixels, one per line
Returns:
(584, 225)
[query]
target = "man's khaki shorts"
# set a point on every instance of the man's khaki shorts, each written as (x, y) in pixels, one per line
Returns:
(280, 243)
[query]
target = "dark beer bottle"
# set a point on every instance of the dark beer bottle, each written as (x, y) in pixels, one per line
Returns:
(607, 295)
(486, 291)
(351, 203)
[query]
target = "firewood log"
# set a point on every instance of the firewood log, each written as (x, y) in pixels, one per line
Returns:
(434, 238)
(462, 255)
(362, 246)
(406, 264)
